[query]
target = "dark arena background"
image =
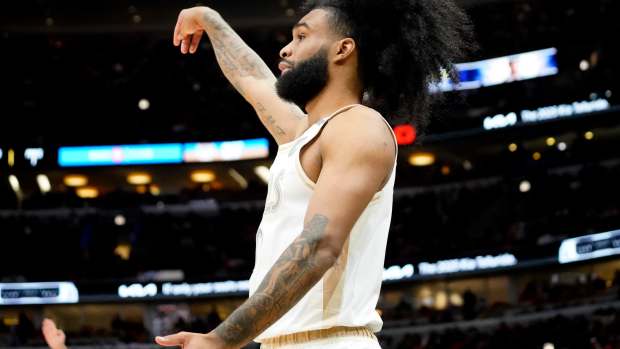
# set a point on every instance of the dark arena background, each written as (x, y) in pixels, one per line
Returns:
(132, 179)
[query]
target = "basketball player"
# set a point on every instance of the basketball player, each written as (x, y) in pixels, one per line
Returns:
(321, 242)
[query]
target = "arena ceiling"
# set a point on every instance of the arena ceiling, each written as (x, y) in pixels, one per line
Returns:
(35, 16)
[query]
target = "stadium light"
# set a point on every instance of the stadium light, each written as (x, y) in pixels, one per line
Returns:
(123, 250)
(422, 159)
(9, 320)
(467, 165)
(44, 183)
(14, 182)
(561, 146)
(551, 141)
(456, 299)
(139, 178)
(75, 180)
(155, 190)
(243, 183)
(202, 176)
(87, 192)
(525, 186)
(441, 300)
(513, 147)
(11, 157)
(263, 173)
(144, 104)
(120, 220)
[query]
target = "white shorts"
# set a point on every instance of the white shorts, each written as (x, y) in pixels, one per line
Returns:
(331, 338)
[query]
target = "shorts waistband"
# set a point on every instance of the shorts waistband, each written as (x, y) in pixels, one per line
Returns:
(309, 336)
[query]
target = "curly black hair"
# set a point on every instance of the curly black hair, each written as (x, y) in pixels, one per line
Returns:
(403, 47)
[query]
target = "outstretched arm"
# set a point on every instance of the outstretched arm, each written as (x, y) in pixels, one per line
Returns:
(245, 70)
(365, 159)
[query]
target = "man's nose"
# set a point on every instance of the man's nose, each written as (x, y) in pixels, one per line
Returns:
(285, 52)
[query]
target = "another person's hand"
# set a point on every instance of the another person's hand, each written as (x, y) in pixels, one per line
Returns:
(54, 337)
(189, 28)
(188, 340)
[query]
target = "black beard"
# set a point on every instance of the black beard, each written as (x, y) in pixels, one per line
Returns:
(305, 80)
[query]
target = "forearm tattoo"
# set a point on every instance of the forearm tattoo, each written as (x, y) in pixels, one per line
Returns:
(297, 270)
(237, 60)
(235, 57)
(269, 119)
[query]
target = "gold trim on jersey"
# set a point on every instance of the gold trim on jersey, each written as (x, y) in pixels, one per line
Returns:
(309, 336)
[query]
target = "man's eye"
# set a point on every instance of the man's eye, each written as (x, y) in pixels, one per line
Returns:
(301, 37)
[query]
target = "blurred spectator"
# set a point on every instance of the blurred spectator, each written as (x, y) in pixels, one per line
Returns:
(54, 337)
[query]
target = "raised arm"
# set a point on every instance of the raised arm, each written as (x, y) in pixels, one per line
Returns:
(245, 70)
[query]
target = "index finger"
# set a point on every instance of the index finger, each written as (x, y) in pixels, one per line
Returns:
(195, 41)
(177, 28)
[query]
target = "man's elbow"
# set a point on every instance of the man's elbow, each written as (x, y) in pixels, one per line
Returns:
(326, 257)
(329, 251)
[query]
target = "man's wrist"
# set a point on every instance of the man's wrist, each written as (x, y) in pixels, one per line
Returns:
(213, 336)
(208, 17)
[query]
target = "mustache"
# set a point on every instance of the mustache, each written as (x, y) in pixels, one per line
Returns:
(287, 62)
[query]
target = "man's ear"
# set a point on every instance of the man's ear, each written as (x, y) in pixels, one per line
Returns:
(344, 49)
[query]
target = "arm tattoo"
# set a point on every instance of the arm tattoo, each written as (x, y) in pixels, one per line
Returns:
(237, 61)
(297, 270)
(235, 57)
(269, 119)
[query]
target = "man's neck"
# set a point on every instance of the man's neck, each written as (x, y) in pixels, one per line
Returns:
(328, 101)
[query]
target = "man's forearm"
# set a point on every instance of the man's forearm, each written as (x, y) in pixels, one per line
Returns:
(236, 59)
(297, 270)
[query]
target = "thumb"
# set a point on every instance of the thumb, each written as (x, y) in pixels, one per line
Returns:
(171, 340)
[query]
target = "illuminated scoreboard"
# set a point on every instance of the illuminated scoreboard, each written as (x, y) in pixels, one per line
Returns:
(502, 70)
(226, 151)
(120, 155)
(172, 153)
(38, 293)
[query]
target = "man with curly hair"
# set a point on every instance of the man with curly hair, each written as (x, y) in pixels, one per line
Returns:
(322, 239)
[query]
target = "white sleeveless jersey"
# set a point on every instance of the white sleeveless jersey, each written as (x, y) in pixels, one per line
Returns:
(347, 294)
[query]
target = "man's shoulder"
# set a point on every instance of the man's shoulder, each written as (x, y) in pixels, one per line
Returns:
(360, 130)
(362, 111)
(358, 123)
